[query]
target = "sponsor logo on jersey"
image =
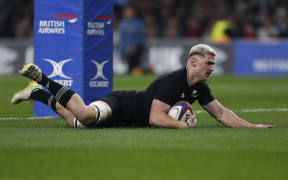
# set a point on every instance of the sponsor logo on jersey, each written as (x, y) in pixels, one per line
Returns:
(58, 71)
(99, 80)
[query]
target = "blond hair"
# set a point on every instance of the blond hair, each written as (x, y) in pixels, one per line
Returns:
(202, 50)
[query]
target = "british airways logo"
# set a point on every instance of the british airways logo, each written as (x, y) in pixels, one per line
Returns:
(57, 25)
(72, 18)
(97, 28)
(107, 18)
(99, 80)
(58, 71)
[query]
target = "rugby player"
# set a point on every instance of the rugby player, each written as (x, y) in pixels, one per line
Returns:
(137, 108)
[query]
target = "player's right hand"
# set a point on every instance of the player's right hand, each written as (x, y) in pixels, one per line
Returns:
(192, 121)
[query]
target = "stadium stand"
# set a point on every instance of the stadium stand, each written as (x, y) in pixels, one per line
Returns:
(264, 19)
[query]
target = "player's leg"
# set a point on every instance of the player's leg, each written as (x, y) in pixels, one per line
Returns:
(35, 92)
(87, 115)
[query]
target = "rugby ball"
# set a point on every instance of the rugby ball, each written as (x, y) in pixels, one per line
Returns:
(181, 111)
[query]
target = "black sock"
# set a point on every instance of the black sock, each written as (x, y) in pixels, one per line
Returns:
(62, 94)
(44, 97)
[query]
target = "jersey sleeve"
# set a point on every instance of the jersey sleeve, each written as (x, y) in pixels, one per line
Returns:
(205, 95)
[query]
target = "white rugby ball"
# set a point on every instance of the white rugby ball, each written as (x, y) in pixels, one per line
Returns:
(181, 111)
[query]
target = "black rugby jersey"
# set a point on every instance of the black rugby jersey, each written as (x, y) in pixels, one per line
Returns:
(134, 106)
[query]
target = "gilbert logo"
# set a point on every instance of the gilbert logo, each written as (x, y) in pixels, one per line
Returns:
(95, 82)
(58, 71)
(99, 67)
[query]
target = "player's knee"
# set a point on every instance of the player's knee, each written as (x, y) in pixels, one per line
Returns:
(96, 112)
(102, 110)
(85, 117)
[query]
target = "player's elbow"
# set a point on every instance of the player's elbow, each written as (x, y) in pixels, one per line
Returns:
(152, 121)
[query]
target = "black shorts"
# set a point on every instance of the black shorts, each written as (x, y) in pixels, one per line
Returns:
(121, 104)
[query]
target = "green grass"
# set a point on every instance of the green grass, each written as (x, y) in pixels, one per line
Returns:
(48, 149)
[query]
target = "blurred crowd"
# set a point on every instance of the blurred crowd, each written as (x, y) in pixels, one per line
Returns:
(16, 18)
(216, 20)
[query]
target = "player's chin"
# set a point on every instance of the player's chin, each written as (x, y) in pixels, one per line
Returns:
(206, 77)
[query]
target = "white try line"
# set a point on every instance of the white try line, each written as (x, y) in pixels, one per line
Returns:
(24, 118)
(197, 112)
(253, 110)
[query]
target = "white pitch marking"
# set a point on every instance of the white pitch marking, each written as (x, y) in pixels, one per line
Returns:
(253, 110)
(24, 118)
(197, 112)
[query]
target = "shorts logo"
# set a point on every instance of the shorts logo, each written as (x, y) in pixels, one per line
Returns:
(99, 80)
(99, 67)
(58, 68)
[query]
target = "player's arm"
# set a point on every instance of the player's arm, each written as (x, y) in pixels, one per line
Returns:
(159, 116)
(228, 118)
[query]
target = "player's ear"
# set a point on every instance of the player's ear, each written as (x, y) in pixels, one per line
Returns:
(193, 61)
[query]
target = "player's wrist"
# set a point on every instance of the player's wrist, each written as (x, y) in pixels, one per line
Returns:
(181, 125)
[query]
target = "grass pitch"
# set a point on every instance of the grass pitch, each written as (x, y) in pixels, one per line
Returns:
(48, 149)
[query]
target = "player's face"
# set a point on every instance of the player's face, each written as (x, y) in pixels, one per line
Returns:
(206, 66)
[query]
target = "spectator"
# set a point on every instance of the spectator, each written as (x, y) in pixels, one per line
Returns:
(7, 11)
(249, 32)
(172, 31)
(152, 29)
(267, 30)
(220, 30)
(193, 28)
(195, 18)
(132, 39)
